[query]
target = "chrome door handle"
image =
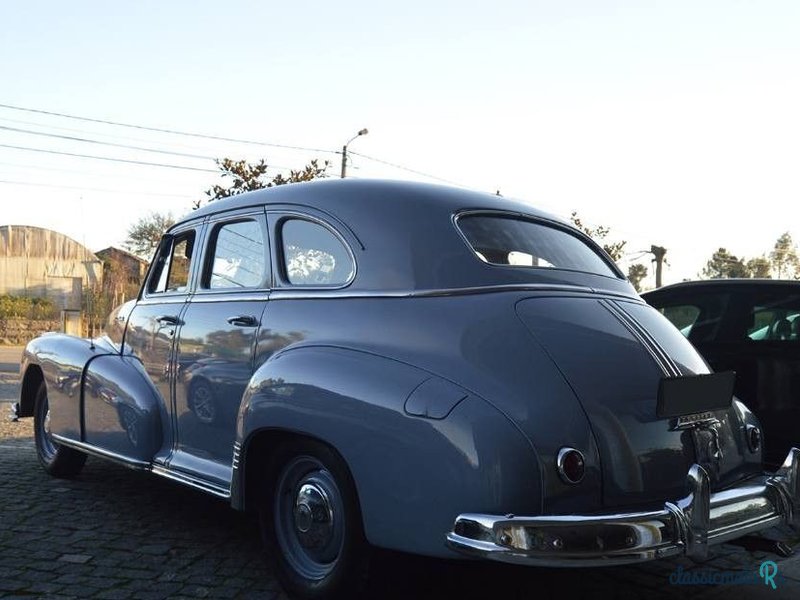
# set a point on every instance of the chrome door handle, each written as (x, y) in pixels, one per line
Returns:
(243, 321)
(168, 320)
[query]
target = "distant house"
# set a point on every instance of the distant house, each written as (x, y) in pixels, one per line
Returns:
(123, 273)
(42, 263)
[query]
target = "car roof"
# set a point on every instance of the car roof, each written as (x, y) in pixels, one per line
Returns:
(403, 234)
(737, 284)
(334, 195)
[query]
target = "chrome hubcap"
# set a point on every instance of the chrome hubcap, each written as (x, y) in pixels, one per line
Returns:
(309, 517)
(47, 422)
(313, 516)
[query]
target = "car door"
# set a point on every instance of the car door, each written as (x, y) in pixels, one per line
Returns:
(215, 346)
(156, 318)
(761, 344)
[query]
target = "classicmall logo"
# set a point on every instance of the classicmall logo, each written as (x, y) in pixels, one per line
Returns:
(767, 574)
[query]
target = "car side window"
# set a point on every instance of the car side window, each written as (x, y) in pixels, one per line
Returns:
(313, 255)
(683, 316)
(171, 273)
(238, 256)
(776, 321)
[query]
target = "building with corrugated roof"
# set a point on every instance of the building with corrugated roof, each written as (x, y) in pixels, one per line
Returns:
(42, 263)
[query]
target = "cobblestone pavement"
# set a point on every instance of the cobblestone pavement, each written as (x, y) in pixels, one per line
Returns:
(115, 533)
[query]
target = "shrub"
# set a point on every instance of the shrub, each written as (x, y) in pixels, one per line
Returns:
(23, 307)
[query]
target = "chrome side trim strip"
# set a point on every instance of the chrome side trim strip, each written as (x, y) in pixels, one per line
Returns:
(192, 482)
(138, 465)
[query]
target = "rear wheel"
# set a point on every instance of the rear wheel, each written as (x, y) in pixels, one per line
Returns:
(312, 523)
(57, 460)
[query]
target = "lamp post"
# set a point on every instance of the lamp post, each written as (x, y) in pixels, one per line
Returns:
(344, 150)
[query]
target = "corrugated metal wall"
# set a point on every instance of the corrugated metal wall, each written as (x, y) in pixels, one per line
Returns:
(46, 264)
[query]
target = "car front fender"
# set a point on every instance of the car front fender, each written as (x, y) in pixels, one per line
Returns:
(60, 360)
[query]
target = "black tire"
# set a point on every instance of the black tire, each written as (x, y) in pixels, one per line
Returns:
(311, 523)
(57, 460)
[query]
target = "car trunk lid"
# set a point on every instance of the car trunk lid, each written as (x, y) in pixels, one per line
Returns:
(614, 354)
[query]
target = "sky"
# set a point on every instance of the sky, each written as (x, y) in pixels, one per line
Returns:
(673, 123)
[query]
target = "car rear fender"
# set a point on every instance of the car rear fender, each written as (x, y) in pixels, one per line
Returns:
(463, 454)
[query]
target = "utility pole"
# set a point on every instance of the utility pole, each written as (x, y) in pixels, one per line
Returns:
(658, 252)
(344, 150)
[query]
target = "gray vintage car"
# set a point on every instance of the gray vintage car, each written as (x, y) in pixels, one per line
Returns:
(412, 367)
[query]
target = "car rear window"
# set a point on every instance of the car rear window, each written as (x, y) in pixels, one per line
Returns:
(517, 242)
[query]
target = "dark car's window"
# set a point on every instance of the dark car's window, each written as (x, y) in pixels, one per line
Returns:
(678, 348)
(777, 321)
(682, 316)
(313, 255)
(697, 316)
(238, 256)
(171, 273)
(516, 242)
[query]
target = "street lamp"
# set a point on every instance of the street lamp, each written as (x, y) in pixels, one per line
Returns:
(344, 150)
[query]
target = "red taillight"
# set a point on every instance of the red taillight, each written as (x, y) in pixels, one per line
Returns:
(570, 464)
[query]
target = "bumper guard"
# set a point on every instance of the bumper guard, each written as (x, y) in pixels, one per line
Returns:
(686, 526)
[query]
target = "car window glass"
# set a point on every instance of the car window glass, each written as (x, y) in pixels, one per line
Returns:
(682, 316)
(171, 273)
(777, 321)
(516, 242)
(677, 346)
(239, 258)
(313, 255)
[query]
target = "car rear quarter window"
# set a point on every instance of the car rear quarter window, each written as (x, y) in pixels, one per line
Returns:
(313, 255)
(511, 241)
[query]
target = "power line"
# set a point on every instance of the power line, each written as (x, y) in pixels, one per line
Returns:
(93, 173)
(92, 132)
(89, 189)
(396, 166)
(102, 143)
(160, 130)
(108, 158)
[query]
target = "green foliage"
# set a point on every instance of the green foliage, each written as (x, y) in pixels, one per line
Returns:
(636, 273)
(784, 258)
(246, 177)
(144, 235)
(599, 234)
(760, 267)
(724, 265)
(23, 307)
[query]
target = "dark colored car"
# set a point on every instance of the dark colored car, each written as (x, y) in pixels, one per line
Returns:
(413, 367)
(752, 327)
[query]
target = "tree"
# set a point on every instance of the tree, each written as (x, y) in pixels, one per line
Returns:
(144, 235)
(784, 258)
(599, 234)
(724, 265)
(246, 177)
(760, 267)
(636, 273)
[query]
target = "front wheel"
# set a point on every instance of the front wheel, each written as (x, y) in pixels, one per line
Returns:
(57, 460)
(311, 523)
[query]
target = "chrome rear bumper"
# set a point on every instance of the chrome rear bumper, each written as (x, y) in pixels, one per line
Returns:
(686, 526)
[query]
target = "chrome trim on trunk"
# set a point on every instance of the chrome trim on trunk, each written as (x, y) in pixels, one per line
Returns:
(687, 526)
